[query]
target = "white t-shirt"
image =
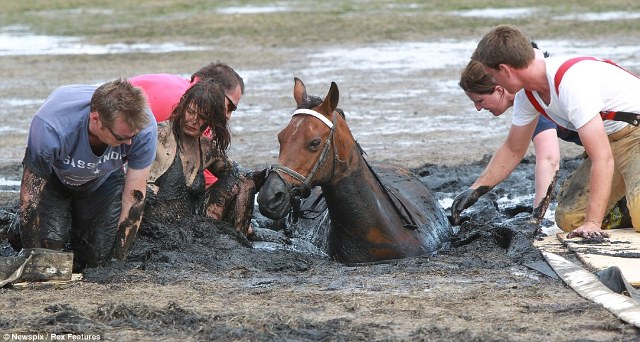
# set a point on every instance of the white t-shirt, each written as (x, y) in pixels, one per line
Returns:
(586, 88)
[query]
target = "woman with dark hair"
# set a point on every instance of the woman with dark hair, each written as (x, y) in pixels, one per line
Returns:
(176, 186)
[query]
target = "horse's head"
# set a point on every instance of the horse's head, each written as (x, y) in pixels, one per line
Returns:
(309, 151)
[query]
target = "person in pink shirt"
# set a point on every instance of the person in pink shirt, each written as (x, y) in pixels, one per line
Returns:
(165, 90)
(229, 198)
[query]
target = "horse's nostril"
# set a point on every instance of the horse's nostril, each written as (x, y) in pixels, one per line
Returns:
(278, 197)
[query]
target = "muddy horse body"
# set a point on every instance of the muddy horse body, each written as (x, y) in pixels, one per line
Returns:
(376, 214)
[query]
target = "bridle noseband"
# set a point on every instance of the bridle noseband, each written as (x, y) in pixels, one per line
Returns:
(303, 190)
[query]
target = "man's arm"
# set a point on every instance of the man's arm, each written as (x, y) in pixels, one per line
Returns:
(508, 156)
(504, 161)
(133, 197)
(30, 193)
(596, 144)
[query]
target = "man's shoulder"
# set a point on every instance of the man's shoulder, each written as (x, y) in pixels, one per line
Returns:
(72, 93)
(69, 102)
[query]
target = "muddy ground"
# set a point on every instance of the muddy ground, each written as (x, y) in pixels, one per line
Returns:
(199, 280)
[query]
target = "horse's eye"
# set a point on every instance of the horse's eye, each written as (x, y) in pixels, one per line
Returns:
(314, 145)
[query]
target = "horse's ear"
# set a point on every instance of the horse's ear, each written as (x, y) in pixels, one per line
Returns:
(330, 102)
(299, 91)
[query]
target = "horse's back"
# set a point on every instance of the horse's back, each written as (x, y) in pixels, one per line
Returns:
(409, 195)
(420, 209)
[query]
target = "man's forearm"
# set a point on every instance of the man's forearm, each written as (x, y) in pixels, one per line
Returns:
(130, 219)
(599, 190)
(133, 198)
(30, 194)
(499, 168)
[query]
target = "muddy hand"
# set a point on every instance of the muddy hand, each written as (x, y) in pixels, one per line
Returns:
(258, 177)
(541, 209)
(464, 200)
(221, 165)
(588, 230)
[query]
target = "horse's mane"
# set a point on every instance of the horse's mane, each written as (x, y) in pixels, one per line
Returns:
(312, 101)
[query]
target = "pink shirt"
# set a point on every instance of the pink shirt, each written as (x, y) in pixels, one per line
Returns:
(163, 93)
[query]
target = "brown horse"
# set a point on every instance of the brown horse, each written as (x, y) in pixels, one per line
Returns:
(375, 215)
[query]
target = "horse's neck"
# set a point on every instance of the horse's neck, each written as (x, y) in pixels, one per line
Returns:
(354, 190)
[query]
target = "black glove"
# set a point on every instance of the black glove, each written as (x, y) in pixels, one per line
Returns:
(464, 200)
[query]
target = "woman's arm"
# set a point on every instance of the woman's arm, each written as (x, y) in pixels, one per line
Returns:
(547, 164)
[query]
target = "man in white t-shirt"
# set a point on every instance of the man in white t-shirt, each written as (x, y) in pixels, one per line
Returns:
(576, 98)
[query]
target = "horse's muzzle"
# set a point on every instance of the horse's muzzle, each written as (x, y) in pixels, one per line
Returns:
(274, 200)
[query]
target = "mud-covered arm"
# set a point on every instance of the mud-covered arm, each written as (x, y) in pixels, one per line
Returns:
(31, 190)
(214, 161)
(165, 152)
(133, 197)
(500, 167)
(546, 170)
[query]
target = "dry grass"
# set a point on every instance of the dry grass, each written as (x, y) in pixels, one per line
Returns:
(308, 22)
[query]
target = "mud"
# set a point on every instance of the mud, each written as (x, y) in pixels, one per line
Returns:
(199, 279)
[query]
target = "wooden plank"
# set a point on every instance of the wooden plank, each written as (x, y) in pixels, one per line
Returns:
(57, 284)
(47, 265)
(621, 249)
(590, 287)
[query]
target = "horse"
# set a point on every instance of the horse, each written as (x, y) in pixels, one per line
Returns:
(376, 214)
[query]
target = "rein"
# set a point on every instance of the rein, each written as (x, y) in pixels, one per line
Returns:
(303, 190)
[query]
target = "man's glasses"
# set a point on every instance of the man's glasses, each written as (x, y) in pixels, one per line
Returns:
(119, 137)
(231, 106)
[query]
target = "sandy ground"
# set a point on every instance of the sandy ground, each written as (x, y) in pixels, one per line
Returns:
(202, 282)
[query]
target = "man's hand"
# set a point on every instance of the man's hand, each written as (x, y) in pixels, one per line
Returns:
(588, 230)
(464, 200)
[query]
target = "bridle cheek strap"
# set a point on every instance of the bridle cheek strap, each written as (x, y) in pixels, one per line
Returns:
(323, 154)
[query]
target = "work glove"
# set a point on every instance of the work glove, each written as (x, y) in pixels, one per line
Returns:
(464, 200)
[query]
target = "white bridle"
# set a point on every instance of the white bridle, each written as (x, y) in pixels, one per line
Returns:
(307, 179)
(314, 114)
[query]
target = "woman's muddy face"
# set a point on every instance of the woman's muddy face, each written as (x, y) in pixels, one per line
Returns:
(193, 122)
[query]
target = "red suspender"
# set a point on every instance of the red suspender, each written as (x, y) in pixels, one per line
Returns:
(606, 115)
(537, 105)
(569, 63)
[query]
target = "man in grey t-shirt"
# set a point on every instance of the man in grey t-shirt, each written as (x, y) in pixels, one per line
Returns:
(74, 188)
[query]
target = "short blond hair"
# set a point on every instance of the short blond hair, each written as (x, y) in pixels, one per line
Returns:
(120, 98)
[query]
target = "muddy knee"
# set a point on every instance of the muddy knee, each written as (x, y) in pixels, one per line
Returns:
(634, 211)
(568, 220)
(52, 244)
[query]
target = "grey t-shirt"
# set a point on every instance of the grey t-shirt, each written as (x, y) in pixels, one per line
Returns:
(59, 142)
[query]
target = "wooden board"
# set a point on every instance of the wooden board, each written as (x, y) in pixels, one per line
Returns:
(75, 277)
(621, 249)
(589, 286)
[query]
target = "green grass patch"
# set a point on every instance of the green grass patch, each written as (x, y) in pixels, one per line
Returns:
(305, 23)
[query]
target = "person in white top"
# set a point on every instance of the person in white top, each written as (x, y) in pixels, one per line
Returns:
(579, 96)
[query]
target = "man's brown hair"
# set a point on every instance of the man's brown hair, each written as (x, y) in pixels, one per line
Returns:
(121, 98)
(504, 44)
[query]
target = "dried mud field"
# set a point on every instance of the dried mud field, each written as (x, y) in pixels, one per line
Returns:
(199, 281)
